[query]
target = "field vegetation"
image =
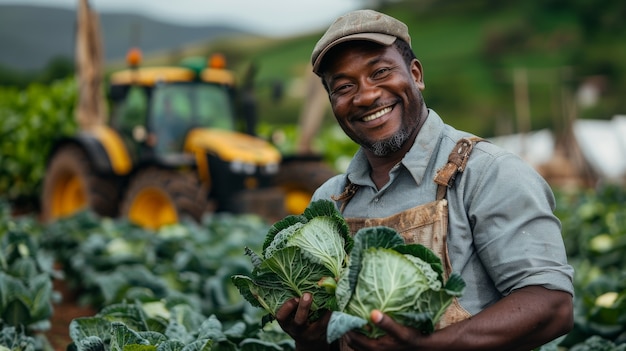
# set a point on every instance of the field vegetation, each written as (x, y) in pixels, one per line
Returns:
(173, 286)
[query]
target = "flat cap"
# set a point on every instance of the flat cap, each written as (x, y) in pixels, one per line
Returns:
(367, 25)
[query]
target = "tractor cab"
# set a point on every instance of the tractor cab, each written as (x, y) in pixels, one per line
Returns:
(154, 108)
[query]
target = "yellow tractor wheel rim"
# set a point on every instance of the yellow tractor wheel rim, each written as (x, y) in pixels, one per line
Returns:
(152, 208)
(296, 201)
(68, 196)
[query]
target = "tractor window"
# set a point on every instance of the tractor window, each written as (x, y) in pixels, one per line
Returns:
(132, 111)
(193, 105)
(172, 117)
(178, 107)
(214, 107)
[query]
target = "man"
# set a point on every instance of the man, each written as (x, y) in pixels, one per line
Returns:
(493, 220)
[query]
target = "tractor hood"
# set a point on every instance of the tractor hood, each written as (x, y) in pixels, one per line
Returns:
(232, 146)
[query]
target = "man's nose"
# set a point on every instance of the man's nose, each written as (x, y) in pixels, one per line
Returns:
(367, 94)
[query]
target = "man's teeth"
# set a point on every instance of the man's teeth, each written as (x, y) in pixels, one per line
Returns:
(377, 114)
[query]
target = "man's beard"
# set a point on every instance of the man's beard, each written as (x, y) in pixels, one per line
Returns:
(384, 147)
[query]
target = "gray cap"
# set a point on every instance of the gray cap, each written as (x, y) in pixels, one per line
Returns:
(359, 25)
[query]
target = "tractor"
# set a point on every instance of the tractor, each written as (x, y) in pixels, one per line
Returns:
(174, 147)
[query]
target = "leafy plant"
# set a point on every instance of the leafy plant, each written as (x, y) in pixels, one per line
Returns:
(26, 293)
(14, 339)
(594, 225)
(300, 254)
(108, 261)
(30, 120)
(594, 231)
(405, 281)
(600, 306)
(168, 325)
(598, 343)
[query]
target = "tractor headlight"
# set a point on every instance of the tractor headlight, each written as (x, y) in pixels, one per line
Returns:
(243, 167)
(236, 166)
(270, 168)
(249, 168)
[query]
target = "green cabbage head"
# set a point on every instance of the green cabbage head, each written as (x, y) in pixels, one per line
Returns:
(304, 253)
(403, 281)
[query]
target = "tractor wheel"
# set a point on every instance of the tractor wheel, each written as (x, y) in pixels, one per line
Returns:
(299, 180)
(72, 185)
(157, 197)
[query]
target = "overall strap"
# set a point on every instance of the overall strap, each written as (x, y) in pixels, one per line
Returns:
(457, 160)
(348, 192)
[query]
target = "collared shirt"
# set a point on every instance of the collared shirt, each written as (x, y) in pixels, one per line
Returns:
(502, 233)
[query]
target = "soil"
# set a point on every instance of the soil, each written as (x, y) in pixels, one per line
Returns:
(63, 313)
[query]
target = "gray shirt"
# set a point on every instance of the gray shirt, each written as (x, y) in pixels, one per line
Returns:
(502, 233)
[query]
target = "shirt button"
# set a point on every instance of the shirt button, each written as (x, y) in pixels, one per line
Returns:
(376, 199)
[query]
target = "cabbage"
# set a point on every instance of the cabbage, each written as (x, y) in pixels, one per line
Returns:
(403, 281)
(315, 253)
(305, 253)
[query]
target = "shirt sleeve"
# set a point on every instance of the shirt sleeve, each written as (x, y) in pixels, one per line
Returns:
(332, 187)
(516, 235)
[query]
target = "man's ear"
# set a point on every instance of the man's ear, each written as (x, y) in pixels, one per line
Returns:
(418, 74)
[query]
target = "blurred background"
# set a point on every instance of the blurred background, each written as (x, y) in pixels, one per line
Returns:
(530, 75)
(474, 52)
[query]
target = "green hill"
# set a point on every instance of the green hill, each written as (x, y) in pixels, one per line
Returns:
(477, 53)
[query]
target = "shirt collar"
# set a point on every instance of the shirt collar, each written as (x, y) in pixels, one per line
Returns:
(358, 171)
(416, 159)
(419, 156)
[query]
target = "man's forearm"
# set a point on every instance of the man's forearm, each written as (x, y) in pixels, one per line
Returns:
(527, 318)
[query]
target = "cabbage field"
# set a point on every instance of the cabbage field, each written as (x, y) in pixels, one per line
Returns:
(90, 283)
(174, 284)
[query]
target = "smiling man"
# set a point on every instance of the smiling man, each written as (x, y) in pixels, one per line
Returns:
(485, 212)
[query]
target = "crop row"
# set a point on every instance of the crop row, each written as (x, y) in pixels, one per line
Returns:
(153, 280)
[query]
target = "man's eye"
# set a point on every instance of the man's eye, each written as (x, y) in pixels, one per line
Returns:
(341, 88)
(382, 72)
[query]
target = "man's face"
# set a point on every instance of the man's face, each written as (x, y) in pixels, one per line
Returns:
(375, 97)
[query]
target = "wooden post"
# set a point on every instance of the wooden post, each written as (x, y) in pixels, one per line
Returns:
(91, 107)
(312, 114)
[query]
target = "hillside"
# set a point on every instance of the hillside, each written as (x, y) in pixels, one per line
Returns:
(31, 35)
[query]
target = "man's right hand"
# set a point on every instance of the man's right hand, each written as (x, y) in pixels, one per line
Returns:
(292, 317)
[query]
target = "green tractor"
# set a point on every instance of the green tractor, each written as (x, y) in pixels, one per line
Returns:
(173, 148)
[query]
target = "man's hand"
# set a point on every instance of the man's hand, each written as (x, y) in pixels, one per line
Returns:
(293, 319)
(398, 337)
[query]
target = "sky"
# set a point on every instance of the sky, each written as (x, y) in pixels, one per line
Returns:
(269, 17)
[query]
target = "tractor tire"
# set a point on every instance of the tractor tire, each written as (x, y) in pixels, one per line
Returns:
(71, 184)
(299, 180)
(157, 197)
